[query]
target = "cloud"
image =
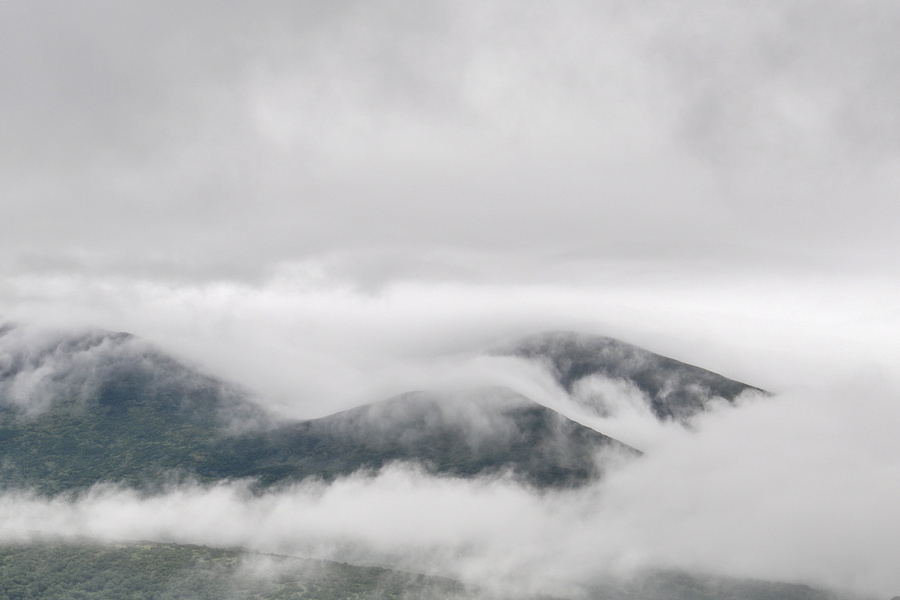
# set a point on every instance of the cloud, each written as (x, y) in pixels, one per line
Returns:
(797, 487)
(315, 350)
(332, 204)
(42, 367)
(207, 141)
(313, 347)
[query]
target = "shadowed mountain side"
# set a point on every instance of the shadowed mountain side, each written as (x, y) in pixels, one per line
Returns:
(480, 432)
(101, 406)
(107, 371)
(105, 407)
(675, 390)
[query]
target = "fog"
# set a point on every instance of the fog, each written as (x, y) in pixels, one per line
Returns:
(459, 140)
(799, 486)
(313, 349)
(328, 205)
(796, 487)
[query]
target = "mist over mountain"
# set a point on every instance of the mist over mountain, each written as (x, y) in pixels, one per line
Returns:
(463, 482)
(152, 571)
(673, 389)
(97, 406)
(464, 433)
(76, 410)
(300, 208)
(96, 370)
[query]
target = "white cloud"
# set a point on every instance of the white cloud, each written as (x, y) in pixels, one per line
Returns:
(215, 141)
(331, 204)
(795, 488)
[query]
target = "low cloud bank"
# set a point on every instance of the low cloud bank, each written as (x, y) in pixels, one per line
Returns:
(800, 487)
(310, 351)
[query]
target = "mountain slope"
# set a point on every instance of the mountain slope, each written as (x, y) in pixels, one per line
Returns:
(172, 571)
(673, 389)
(79, 410)
(101, 406)
(139, 571)
(675, 585)
(483, 431)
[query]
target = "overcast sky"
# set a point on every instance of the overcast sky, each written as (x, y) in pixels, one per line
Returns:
(331, 202)
(283, 187)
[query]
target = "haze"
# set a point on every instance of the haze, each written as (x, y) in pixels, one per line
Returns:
(332, 203)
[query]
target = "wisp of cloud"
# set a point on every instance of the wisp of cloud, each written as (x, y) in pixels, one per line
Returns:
(799, 487)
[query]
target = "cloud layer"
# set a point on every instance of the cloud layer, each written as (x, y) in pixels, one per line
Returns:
(794, 488)
(210, 141)
(306, 198)
(334, 203)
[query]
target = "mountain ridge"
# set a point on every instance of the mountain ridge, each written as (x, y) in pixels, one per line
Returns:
(673, 390)
(107, 407)
(114, 409)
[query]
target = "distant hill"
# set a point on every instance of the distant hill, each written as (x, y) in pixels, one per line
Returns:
(478, 432)
(673, 389)
(148, 571)
(145, 571)
(106, 407)
(675, 585)
(100, 406)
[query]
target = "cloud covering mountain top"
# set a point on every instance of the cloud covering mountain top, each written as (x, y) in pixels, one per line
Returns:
(673, 389)
(331, 204)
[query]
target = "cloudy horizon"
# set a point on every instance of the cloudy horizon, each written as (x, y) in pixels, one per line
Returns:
(701, 175)
(329, 203)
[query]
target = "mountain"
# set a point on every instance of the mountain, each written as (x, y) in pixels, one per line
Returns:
(76, 410)
(151, 571)
(476, 432)
(144, 570)
(677, 585)
(107, 407)
(101, 406)
(671, 389)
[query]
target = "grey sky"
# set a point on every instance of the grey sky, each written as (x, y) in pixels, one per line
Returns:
(298, 193)
(333, 202)
(219, 140)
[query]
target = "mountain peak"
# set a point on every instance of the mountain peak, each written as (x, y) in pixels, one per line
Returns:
(106, 407)
(673, 389)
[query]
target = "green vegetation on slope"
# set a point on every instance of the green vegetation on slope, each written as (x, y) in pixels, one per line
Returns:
(145, 571)
(105, 408)
(169, 571)
(672, 585)
(498, 430)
